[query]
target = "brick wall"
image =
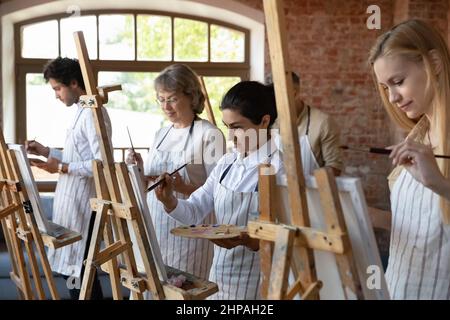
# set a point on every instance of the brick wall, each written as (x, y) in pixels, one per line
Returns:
(328, 45)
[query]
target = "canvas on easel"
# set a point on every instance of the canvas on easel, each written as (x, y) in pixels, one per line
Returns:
(361, 235)
(44, 225)
(138, 187)
(24, 241)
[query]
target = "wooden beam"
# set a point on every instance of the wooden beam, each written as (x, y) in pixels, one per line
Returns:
(104, 90)
(121, 210)
(267, 207)
(304, 236)
(280, 264)
(110, 252)
(8, 210)
(208, 108)
(282, 79)
(334, 219)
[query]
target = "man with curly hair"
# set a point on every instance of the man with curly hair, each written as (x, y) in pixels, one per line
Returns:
(75, 186)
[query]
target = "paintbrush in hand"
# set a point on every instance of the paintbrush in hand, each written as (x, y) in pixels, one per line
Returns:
(153, 186)
(131, 141)
(382, 151)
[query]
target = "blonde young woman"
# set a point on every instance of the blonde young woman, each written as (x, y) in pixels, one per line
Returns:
(411, 66)
(188, 139)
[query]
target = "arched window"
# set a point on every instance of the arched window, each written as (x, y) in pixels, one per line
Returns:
(128, 48)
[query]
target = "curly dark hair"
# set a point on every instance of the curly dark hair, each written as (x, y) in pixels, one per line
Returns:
(64, 70)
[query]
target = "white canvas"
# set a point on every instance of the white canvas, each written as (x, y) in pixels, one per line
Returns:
(43, 224)
(361, 234)
(138, 188)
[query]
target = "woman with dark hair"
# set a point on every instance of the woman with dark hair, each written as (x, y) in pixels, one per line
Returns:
(188, 139)
(248, 110)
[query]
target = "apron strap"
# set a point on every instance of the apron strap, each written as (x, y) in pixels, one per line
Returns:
(308, 119)
(191, 129)
(225, 172)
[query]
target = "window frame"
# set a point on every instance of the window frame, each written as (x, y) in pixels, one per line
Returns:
(33, 65)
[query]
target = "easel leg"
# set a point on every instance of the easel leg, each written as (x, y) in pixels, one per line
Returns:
(43, 257)
(9, 247)
(114, 272)
(94, 248)
(24, 276)
(281, 263)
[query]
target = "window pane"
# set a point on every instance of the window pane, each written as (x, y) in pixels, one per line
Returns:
(154, 38)
(40, 40)
(86, 24)
(116, 33)
(134, 106)
(216, 88)
(47, 118)
(227, 45)
(191, 40)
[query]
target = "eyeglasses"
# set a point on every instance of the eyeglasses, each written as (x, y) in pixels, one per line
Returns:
(170, 101)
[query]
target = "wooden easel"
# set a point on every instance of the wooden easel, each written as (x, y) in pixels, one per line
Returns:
(20, 229)
(115, 205)
(209, 111)
(298, 239)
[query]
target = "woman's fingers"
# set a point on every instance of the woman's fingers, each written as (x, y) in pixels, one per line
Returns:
(406, 152)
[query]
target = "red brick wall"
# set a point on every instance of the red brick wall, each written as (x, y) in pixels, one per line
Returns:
(328, 45)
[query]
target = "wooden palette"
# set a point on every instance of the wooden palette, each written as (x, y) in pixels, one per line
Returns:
(209, 231)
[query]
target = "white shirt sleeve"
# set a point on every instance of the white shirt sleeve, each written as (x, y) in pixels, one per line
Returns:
(200, 203)
(92, 149)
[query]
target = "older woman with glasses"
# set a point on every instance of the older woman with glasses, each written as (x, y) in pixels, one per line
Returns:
(188, 139)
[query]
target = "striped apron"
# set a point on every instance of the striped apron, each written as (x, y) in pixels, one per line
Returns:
(191, 255)
(71, 208)
(419, 253)
(236, 271)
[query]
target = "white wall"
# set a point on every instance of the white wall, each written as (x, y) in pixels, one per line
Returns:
(19, 10)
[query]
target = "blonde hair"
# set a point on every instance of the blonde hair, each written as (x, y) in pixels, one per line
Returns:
(181, 78)
(414, 40)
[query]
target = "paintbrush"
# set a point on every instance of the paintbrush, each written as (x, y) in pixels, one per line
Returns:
(153, 186)
(131, 141)
(382, 151)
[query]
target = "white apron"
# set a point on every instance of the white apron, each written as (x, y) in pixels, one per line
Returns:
(309, 160)
(71, 209)
(419, 253)
(191, 255)
(236, 271)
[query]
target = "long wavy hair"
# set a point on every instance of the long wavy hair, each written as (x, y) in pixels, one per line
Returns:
(414, 40)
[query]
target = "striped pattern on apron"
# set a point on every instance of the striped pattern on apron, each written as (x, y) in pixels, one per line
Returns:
(71, 209)
(419, 253)
(191, 255)
(236, 271)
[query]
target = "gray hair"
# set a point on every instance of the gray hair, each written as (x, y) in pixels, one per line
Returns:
(181, 78)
